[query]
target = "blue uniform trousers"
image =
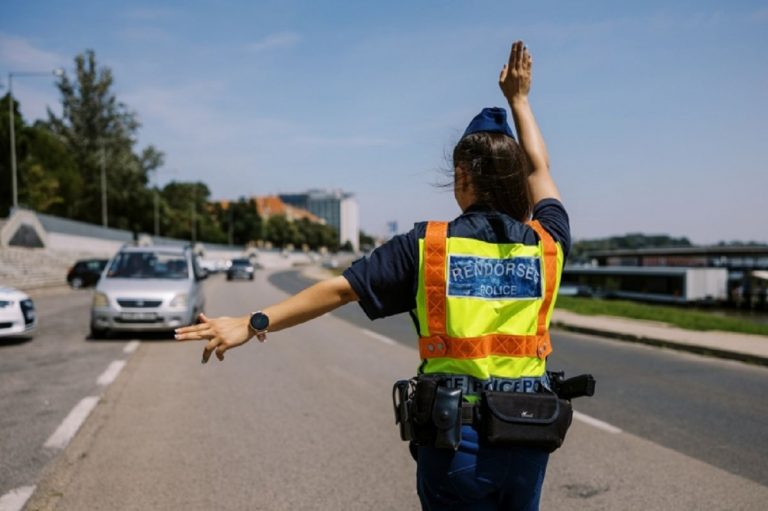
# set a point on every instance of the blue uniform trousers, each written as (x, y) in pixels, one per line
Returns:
(479, 477)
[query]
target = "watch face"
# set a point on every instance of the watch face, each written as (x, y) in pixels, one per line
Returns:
(259, 321)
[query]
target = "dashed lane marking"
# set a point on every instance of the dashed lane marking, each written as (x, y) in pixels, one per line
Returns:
(15, 499)
(595, 422)
(378, 337)
(131, 347)
(111, 372)
(72, 422)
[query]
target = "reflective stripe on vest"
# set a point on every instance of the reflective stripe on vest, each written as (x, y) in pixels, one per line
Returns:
(437, 343)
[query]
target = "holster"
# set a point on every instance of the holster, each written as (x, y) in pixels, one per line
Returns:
(428, 413)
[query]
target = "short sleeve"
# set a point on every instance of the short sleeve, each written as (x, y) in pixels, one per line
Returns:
(552, 216)
(385, 280)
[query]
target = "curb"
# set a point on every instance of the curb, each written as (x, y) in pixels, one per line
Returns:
(663, 343)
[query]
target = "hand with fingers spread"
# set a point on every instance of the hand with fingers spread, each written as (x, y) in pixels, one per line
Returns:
(221, 333)
(515, 77)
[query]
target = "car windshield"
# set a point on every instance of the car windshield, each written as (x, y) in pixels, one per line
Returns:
(148, 265)
(240, 262)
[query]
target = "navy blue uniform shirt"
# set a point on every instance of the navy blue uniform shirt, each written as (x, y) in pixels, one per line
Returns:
(386, 280)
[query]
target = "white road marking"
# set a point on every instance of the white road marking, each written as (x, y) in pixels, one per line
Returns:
(131, 347)
(378, 337)
(67, 429)
(596, 422)
(15, 499)
(111, 372)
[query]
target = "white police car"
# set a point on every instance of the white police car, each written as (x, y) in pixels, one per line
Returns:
(17, 313)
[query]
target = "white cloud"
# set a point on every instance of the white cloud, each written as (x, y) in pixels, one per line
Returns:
(273, 41)
(19, 54)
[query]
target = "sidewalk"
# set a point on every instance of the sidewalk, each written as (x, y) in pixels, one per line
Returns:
(743, 347)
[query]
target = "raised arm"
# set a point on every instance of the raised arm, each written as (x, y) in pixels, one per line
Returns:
(224, 332)
(515, 83)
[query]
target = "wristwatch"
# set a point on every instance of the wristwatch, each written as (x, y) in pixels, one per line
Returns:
(259, 325)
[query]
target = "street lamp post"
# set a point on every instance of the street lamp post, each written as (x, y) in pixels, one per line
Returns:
(15, 187)
(103, 185)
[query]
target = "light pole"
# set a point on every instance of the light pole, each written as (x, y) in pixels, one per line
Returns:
(157, 199)
(55, 72)
(103, 185)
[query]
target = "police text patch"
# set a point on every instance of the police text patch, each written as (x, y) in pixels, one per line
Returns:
(495, 279)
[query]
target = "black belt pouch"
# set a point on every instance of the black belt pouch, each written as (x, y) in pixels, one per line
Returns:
(446, 416)
(513, 419)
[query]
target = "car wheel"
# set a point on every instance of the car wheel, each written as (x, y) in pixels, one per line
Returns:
(76, 283)
(251, 277)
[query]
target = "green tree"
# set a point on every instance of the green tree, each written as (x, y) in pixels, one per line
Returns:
(100, 130)
(186, 213)
(242, 219)
(279, 231)
(46, 172)
(367, 242)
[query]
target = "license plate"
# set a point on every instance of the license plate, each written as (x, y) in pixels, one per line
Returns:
(138, 316)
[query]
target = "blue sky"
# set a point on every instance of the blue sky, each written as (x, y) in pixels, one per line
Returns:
(655, 113)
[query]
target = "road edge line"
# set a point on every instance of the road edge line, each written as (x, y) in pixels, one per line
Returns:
(379, 337)
(15, 499)
(71, 423)
(111, 372)
(597, 423)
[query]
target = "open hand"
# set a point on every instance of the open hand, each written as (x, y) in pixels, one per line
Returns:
(221, 333)
(515, 78)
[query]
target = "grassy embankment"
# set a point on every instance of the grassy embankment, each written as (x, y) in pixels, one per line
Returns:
(676, 316)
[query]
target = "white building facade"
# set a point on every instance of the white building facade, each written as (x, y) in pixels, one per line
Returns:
(339, 209)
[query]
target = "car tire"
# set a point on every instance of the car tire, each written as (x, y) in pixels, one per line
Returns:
(251, 277)
(76, 283)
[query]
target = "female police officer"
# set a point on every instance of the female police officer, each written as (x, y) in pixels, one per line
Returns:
(480, 289)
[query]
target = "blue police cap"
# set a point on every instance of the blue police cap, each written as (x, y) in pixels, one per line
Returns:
(493, 120)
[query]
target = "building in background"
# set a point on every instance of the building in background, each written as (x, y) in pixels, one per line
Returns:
(269, 205)
(338, 208)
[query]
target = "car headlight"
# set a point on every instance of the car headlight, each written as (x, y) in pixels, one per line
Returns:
(100, 300)
(180, 300)
(6, 303)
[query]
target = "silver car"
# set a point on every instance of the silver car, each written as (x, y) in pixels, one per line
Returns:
(152, 288)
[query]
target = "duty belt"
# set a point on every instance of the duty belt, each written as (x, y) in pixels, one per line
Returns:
(471, 386)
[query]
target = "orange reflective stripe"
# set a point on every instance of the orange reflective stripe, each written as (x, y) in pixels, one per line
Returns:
(550, 279)
(442, 346)
(434, 276)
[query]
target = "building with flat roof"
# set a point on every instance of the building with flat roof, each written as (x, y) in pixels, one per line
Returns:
(338, 208)
(736, 274)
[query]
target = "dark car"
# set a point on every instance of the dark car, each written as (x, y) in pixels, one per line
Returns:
(86, 272)
(240, 269)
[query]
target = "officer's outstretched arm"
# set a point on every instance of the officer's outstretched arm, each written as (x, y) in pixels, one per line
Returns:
(515, 83)
(224, 332)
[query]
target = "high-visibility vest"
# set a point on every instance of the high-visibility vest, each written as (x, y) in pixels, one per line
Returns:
(483, 309)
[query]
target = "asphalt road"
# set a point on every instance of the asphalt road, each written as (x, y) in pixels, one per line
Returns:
(711, 410)
(301, 422)
(42, 379)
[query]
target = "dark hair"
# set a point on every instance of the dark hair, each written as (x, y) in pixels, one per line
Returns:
(498, 170)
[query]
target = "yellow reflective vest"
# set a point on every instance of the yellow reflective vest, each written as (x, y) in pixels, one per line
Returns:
(483, 309)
